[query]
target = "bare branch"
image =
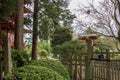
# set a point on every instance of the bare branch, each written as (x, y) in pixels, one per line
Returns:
(115, 16)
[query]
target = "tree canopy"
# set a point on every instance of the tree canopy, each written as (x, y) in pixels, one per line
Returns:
(67, 49)
(61, 35)
(7, 7)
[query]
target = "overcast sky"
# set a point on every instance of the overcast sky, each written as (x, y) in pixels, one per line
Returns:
(74, 4)
(74, 7)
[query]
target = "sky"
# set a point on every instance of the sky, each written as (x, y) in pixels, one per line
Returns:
(74, 4)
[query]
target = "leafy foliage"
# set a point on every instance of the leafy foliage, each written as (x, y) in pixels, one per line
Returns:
(61, 35)
(69, 48)
(54, 65)
(43, 45)
(7, 7)
(43, 53)
(34, 73)
(51, 14)
(19, 58)
(67, 18)
(105, 43)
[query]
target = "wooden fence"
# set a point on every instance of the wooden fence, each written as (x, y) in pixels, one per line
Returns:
(89, 67)
(76, 67)
(106, 70)
(81, 68)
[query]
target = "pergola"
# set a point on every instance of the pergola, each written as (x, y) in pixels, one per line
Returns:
(89, 34)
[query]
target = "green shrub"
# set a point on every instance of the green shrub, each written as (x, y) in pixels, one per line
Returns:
(68, 49)
(43, 54)
(34, 73)
(19, 58)
(54, 65)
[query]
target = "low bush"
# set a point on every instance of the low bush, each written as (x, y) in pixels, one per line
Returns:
(34, 73)
(54, 65)
(19, 58)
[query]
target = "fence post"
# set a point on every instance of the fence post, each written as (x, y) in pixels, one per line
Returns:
(75, 74)
(91, 63)
(7, 56)
(1, 71)
(88, 75)
(108, 64)
(71, 67)
(80, 62)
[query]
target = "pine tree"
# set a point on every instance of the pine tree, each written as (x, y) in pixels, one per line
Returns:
(35, 32)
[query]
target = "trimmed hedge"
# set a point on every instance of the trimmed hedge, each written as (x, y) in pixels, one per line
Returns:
(54, 65)
(34, 73)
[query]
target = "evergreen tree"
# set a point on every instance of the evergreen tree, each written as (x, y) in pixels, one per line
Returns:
(52, 14)
(7, 7)
(19, 20)
(35, 32)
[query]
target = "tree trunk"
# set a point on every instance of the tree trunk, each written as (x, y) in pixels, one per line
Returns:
(35, 24)
(19, 20)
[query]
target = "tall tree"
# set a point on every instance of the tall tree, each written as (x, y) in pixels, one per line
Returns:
(35, 31)
(52, 14)
(19, 20)
(48, 13)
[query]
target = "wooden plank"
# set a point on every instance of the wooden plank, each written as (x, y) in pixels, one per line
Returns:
(80, 66)
(118, 70)
(75, 73)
